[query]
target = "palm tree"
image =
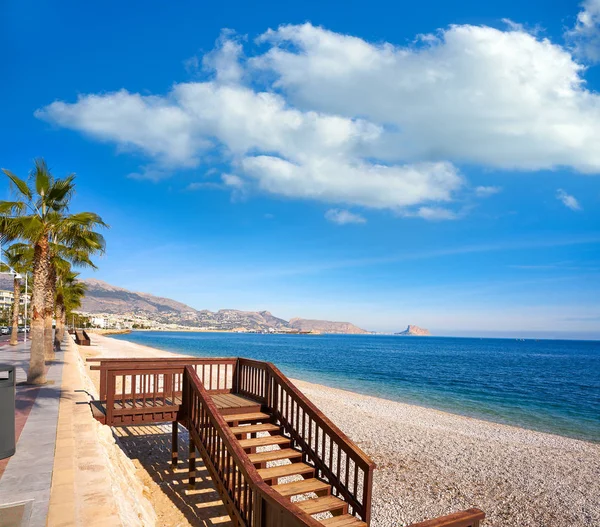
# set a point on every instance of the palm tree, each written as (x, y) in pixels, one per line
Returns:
(39, 215)
(69, 293)
(77, 253)
(20, 263)
(61, 258)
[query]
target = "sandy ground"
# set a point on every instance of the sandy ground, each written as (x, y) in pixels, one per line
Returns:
(429, 463)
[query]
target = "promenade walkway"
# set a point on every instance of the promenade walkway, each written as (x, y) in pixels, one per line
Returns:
(26, 477)
(56, 477)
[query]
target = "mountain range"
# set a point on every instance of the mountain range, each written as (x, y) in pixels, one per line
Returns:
(108, 299)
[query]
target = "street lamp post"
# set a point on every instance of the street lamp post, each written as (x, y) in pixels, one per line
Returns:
(19, 277)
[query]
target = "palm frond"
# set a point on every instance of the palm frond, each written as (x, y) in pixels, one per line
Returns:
(19, 184)
(60, 193)
(12, 207)
(42, 177)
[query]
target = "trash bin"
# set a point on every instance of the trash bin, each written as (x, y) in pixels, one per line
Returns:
(7, 410)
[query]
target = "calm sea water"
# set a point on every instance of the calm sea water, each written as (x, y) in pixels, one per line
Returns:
(547, 385)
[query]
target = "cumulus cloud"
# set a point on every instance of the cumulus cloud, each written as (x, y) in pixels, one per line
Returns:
(475, 94)
(343, 217)
(584, 37)
(567, 200)
(156, 125)
(347, 122)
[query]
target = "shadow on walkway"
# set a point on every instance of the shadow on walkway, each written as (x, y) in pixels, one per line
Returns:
(151, 446)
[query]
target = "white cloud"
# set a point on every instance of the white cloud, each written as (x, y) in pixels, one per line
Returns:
(277, 148)
(567, 200)
(231, 180)
(347, 122)
(339, 181)
(584, 37)
(343, 217)
(153, 124)
(484, 192)
(503, 99)
(224, 60)
(435, 214)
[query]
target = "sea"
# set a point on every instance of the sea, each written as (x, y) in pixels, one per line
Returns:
(546, 385)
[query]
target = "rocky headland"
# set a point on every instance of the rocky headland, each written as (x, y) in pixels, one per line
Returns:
(414, 331)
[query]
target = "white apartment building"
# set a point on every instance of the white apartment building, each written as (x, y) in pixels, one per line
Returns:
(7, 297)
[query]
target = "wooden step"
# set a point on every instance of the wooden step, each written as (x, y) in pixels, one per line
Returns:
(274, 455)
(302, 487)
(249, 416)
(345, 520)
(324, 504)
(251, 429)
(265, 441)
(283, 471)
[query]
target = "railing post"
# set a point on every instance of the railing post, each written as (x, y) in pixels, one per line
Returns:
(103, 373)
(110, 397)
(236, 377)
(192, 464)
(275, 389)
(257, 509)
(268, 384)
(168, 385)
(367, 495)
(175, 443)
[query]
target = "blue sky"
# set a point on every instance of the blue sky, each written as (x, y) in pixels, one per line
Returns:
(379, 163)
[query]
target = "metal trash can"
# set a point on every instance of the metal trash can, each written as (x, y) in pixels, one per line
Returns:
(7, 410)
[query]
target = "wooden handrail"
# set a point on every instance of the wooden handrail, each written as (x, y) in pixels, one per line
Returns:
(467, 518)
(158, 366)
(265, 382)
(266, 506)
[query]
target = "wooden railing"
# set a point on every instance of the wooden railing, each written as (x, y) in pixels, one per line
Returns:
(150, 390)
(336, 458)
(247, 498)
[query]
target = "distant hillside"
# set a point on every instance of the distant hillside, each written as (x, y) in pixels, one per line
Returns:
(105, 298)
(324, 326)
(108, 299)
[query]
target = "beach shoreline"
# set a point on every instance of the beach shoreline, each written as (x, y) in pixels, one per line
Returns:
(432, 462)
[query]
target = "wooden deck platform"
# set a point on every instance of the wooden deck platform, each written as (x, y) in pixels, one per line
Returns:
(227, 403)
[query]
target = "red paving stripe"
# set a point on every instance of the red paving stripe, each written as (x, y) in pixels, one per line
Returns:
(24, 399)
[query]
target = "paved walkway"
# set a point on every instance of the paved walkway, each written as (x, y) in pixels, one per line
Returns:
(82, 487)
(28, 474)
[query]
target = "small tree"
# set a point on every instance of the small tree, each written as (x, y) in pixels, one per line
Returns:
(20, 263)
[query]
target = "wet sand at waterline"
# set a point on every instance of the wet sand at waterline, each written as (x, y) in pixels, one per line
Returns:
(429, 462)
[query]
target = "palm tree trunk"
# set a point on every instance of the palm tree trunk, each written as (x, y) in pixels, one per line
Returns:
(14, 335)
(60, 323)
(49, 313)
(63, 321)
(37, 365)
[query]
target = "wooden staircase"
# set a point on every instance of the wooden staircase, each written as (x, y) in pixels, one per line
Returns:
(275, 459)
(274, 456)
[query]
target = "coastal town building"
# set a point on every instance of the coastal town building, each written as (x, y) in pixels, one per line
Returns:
(7, 299)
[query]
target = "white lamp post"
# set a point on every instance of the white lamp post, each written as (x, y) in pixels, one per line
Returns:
(19, 277)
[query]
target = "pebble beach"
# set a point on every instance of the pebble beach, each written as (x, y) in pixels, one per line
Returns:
(432, 463)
